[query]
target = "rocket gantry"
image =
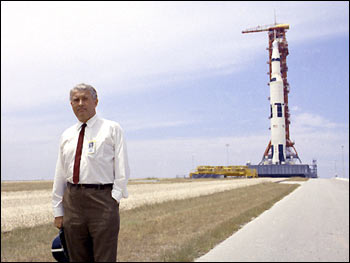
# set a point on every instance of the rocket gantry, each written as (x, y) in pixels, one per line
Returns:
(277, 109)
(280, 149)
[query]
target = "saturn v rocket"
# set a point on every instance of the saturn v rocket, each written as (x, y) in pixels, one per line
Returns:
(277, 114)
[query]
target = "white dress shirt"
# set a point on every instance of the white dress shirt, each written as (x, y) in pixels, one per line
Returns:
(103, 160)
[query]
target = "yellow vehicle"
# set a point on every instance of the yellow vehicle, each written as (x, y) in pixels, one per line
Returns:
(218, 171)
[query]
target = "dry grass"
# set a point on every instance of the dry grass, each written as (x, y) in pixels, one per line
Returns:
(176, 230)
(28, 244)
(33, 207)
(25, 209)
(185, 229)
(9, 186)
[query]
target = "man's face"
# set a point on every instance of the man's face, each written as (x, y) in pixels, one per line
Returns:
(83, 105)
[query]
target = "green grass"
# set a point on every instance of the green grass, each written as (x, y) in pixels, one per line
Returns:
(179, 230)
(28, 244)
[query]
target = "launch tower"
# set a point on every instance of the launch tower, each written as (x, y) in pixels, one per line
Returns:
(284, 150)
(280, 156)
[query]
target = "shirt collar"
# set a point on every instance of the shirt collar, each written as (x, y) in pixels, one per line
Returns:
(89, 123)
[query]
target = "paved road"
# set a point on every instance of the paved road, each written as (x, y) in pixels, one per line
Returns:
(310, 224)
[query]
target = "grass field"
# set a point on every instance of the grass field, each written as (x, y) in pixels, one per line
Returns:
(175, 230)
(32, 205)
(12, 186)
(16, 186)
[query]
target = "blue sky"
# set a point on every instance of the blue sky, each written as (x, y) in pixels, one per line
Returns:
(180, 78)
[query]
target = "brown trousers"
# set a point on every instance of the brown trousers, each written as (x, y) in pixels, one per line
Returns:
(91, 224)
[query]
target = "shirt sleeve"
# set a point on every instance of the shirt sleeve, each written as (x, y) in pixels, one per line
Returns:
(121, 166)
(59, 185)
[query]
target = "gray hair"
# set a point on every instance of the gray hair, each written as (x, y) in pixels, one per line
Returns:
(84, 87)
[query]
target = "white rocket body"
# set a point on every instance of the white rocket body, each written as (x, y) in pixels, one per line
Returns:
(277, 117)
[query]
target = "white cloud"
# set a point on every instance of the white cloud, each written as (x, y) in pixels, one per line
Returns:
(318, 138)
(47, 47)
(305, 122)
(315, 138)
(142, 125)
(178, 156)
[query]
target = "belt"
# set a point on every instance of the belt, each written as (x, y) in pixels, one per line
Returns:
(96, 186)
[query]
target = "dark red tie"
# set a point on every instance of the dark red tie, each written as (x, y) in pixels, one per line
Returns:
(78, 154)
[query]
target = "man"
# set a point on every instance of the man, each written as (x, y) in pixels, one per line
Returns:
(92, 172)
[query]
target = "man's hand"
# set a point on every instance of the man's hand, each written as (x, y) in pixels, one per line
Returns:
(59, 222)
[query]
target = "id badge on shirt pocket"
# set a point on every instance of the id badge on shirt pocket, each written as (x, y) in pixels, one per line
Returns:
(92, 147)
